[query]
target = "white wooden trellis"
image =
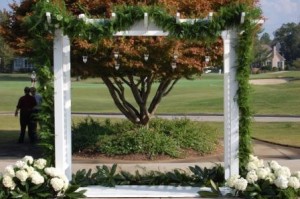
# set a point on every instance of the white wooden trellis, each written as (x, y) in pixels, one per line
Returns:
(62, 95)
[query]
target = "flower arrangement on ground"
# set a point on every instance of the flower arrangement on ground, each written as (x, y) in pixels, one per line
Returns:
(269, 180)
(30, 179)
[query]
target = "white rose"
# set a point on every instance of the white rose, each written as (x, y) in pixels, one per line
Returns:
(30, 170)
(40, 163)
(20, 164)
(271, 177)
(9, 170)
(28, 159)
(22, 175)
(260, 163)
(231, 181)
(253, 158)
(251, 166)
(8, 182)
(283, 171)
(251, 177)
(57, 184)
(37, 178)
(297, 174)
(66, 181)
(294, 182)
(274, 165)
(262, 173)
(241, 184)
(52, 171)
(281, 182)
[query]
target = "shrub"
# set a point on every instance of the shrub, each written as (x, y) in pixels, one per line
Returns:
(162, 137)
(85, 135)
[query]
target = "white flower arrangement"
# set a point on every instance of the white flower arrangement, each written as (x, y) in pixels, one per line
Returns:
(265, 181)
(29, 178)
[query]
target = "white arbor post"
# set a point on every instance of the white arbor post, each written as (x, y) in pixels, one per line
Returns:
(62, 103)
(231, 109)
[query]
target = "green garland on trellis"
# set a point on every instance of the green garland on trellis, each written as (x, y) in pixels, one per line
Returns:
(228, 17)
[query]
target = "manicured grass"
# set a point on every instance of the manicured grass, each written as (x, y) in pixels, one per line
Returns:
(279, 74)
(280, 132)
(276, 99)
(203, 95)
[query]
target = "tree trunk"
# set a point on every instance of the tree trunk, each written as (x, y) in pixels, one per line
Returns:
(140, 87)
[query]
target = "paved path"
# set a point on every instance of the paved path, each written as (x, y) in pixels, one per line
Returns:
(196, 117)
(201, 117)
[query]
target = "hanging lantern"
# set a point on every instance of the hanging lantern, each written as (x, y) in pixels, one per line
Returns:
(146, 56)
(48, 16)
(173, 65)
(117, 66)
(175, 56)
(116, 54)
(207, 59)
(84, 58)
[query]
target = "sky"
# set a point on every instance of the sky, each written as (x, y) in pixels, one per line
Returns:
(276, 12)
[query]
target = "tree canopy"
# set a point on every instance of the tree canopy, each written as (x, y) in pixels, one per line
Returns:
(288, 36)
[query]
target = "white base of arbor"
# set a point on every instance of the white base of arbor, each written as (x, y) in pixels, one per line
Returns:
(134, 191)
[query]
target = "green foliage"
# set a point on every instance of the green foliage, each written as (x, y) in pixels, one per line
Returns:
(244, 52)
(110, 177)
(296, 63)
(203, 177)
(288, 38)
(162, 137)
(86, 135)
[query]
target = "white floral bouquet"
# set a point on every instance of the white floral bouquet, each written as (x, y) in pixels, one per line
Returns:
(29, 178)
(266, 181)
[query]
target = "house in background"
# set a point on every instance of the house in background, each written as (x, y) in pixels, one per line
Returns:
(274, 58)
(22, 64)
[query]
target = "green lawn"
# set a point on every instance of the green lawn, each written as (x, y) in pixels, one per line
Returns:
(204, 95)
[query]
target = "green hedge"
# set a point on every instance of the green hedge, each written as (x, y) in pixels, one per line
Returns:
(162, 137)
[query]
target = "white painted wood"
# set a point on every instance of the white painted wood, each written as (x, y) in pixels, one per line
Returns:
(62, 103)
(231, 109)
(137, 191)
(67, 105)
(140, 28)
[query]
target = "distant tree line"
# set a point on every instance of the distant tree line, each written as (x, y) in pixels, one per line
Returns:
(287, 37)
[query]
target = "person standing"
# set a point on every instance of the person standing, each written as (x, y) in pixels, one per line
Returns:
(33, 78)
(36, 109)
(26, 104)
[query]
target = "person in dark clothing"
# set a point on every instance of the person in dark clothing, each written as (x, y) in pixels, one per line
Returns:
(36, 109)
(26, 104)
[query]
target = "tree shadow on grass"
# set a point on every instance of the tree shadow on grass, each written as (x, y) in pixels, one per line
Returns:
(14, 78)
(10, 148)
